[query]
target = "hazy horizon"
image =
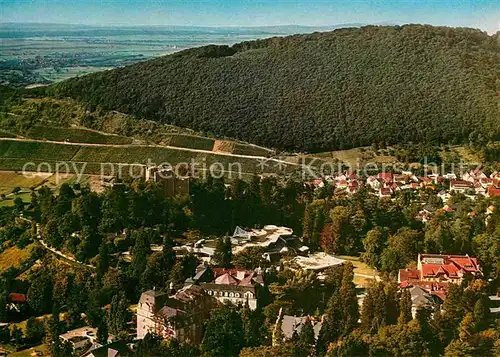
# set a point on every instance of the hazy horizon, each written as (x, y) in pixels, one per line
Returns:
(481, 14)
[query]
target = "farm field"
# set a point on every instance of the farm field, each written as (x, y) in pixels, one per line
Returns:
(76, 135)
(190, 141)
(15, 154)
(36, 150)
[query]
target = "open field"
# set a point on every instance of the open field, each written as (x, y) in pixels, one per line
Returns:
(363, 274)
(13, 257)
(76, 135)
(9, 180)
(15, 154)
(37, 150)
(30, 352)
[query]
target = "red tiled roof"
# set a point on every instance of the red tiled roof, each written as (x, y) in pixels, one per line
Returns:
(460, 183)
(226, 279)
(493, 191)
(386, 191)
(16, 297)
(430, 270)
(408, 274)
(385, 175)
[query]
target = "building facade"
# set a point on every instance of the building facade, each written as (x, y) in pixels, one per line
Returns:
(179, 315)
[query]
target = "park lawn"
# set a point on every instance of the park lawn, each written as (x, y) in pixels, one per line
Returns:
(359, 266)
(362, 281)
(14, 256)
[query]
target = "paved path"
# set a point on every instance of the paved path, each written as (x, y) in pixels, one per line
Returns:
(53, 250)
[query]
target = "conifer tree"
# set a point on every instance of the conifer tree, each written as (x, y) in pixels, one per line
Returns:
(306, 336)
(348, 301)
(405, 303)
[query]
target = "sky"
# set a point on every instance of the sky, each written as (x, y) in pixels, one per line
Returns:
(483, 14)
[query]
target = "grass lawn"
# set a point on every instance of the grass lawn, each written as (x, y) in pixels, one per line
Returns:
(44, 349)
(11, 179)
(362, 272)
(13, 257)
(359, 266)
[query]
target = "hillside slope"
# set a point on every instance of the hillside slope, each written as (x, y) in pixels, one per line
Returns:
(322, 91)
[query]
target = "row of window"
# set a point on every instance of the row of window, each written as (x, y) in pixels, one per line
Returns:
(231, 294)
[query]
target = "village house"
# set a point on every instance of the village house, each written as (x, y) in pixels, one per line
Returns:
(292, 325)
(461, 186)
(384, 192)
(473, 175)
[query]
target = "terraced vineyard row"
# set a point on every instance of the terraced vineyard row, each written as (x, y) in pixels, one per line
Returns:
(43, 156)
(75, 135)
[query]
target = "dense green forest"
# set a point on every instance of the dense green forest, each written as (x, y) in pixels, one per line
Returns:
(320, 91)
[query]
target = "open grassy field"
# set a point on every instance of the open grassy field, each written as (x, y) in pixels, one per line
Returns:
(363, 274)
(43, 350)
(13, 257)
(10, 179)
(27, 181)
(75, 135)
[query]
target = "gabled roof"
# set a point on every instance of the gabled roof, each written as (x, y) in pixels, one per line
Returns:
(226, 279)
(291, 324)
(115, 349)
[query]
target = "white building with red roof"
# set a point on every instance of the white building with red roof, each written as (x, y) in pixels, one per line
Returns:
(235, 285)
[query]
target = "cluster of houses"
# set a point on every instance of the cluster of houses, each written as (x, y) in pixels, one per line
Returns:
(434, 274)
(386, 184)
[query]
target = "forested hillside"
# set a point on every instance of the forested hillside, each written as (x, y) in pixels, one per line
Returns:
(322, 91)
